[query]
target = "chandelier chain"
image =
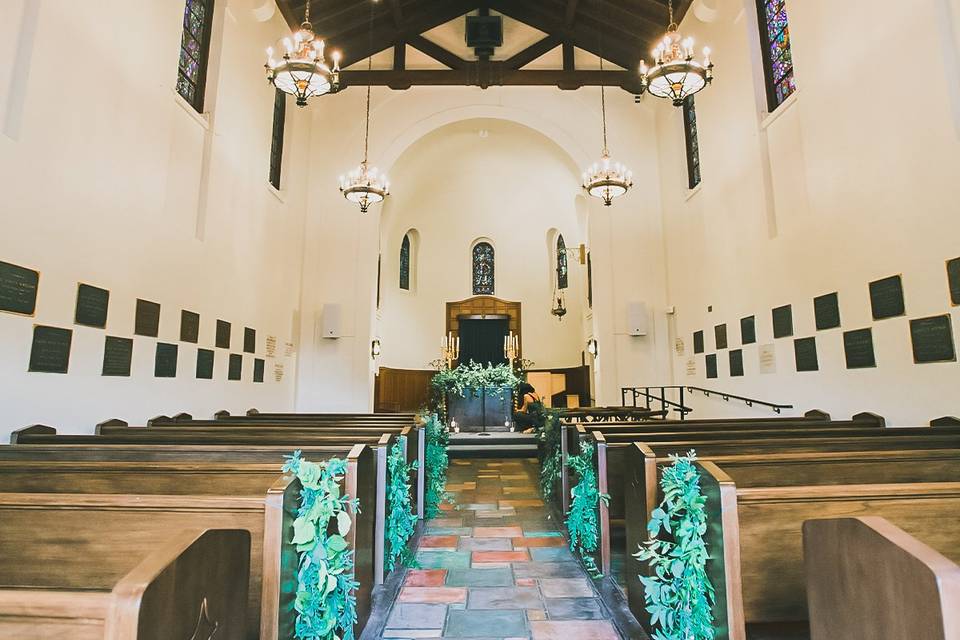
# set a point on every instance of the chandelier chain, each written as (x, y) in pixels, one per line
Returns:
(306, 13)
(366, 133)
(603, 106)
(670, 10)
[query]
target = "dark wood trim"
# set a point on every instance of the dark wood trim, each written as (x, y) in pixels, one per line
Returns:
(493, 73)
(531, 53)
(437, 52)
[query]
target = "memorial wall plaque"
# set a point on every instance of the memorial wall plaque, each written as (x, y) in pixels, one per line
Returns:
(223, 334)
(92, 304)
(748, 330)
(720, 336)
(117, 355)
(165, 365)
(147, 320)
(691, 366)
(258, 365)
(271, 346)
(18, 289)
(858, 349)
(249, 340)
(698, 341)
(886, 298)
(278, 371)
(712, 365)
(783, 321)
(767, 356)
(805, 350)
(189, 326)
(50, 352)
(235, 371)
(826, 311)
(205, 364)
(953, 279)
(736, 363)
(932, 340)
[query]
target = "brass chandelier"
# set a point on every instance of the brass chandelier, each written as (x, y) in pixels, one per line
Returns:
(675, 74)
(606, 179)
(302, 71)
(365, 185)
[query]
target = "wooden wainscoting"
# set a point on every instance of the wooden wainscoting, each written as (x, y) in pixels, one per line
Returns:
(401, 390)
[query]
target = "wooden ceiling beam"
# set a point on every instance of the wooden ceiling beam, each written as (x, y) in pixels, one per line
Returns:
(437, 52)
(531, 53)
(490, 74)
(570, 13)
(397, 12)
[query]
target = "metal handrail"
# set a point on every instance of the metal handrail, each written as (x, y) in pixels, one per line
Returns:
(645, 393)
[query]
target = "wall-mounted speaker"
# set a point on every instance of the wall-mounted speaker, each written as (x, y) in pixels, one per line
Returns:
(330, 321)
(637, 323)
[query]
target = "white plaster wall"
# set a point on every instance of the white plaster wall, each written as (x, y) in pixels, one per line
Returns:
(342, 245)
(455, 187)
(110, 180)
(852, 181)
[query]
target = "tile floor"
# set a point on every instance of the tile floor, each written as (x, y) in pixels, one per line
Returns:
(496, 566)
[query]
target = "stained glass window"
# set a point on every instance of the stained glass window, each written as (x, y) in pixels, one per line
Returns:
(561, 263)
(276, 147)
(405, 263)
(194, 49)
(693, 142)
(777, 59)
(483, 269)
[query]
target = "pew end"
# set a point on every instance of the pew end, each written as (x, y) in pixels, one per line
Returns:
(868, 578)
(220, 415)
(159, 420)
(945, 421)
(36, 429)
(204, 575)
(253, 411)
(817, 414)
(868, 419)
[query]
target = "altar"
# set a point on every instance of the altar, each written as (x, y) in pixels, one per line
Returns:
(490, 407)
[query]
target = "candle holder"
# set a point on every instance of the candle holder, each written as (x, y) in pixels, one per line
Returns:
(511, 348)
(450, 349)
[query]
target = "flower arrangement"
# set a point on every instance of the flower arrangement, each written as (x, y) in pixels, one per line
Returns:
(401, 520)
(583, 526)
(435, 463)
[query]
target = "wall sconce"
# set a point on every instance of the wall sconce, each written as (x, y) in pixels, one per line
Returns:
(375, 348)
(593, 348)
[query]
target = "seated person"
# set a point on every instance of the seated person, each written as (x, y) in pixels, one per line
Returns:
(529, 416)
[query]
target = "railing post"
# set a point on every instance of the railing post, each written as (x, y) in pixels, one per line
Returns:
(663, 398)
(683, 406)
(646, 396)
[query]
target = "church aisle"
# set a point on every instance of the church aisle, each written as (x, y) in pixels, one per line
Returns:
(496, 567)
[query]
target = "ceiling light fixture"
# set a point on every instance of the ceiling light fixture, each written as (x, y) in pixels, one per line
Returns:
(303, 71)
(675, 74)
(606, 179)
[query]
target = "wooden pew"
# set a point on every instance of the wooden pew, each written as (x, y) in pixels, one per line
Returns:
(870, 579)
(755, 527)
(64, 582)
(610, 414)
(812, 424)
(414, 438)
(173, 494)
(253, 414)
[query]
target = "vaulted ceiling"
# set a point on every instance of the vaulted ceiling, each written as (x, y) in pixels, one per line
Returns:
(622, 31)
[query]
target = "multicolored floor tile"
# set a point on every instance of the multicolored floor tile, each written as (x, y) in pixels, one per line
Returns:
(496, 567)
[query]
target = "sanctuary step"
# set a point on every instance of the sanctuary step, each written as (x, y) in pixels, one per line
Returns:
(496, 445)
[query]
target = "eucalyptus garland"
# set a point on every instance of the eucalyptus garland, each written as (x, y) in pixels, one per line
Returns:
(473, 376)
(401, 520)
(679, 594)
(549, 434)
(583, 517)
(326, 604)
(436, 463)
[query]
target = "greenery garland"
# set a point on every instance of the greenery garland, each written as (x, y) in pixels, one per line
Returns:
(473, 376)
(679, 594)
(549, 434)
(582, 518)
(401, 520)
(326, 604)
(435, 463)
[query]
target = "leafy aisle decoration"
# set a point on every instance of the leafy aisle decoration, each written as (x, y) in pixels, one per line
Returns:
(582, 519)
(401, 519)
(326, 604)
(549, 434)
(436, 462)
(679, 595)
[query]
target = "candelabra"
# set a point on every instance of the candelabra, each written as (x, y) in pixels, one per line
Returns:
(450, 349)
(511, 347)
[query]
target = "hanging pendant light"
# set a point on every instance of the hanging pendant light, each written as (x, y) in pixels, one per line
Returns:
(302, 71)
(559, 309)
(675, 74)
(365, 185)
(606, 179)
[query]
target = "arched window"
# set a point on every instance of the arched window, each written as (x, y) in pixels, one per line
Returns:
(483, 269)
(405, 263)
(562, 280)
